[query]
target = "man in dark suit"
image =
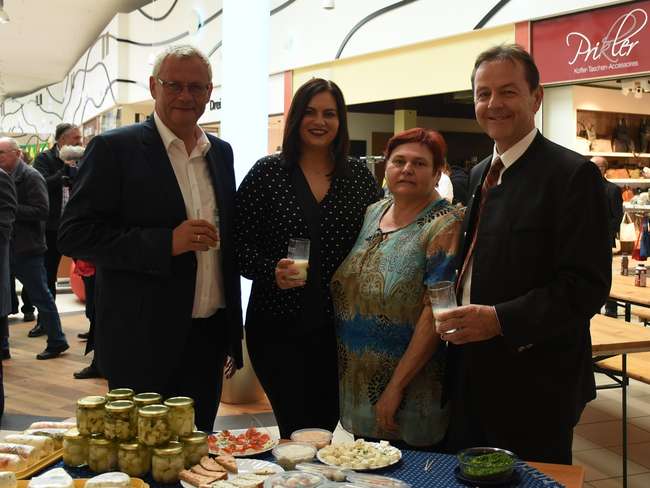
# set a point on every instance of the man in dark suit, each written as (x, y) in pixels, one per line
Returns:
(536, 266)
(59, 175)
(144, 208)
(7, 217)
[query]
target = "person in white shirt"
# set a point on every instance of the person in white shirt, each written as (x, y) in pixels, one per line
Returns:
(152, 209)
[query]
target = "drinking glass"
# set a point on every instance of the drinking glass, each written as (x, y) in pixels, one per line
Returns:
(443, 297)
(204, 213)
(299, 252)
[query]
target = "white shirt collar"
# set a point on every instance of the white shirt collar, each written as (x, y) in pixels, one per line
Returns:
(168, 137)
(509, 157)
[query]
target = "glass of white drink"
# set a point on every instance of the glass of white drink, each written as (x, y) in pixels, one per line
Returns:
(211, 216)
(299, 253)
(442, 297)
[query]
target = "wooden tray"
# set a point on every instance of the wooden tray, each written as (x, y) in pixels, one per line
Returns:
(80, 482)
(29, 471)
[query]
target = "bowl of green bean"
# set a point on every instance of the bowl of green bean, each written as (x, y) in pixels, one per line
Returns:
(486, 464)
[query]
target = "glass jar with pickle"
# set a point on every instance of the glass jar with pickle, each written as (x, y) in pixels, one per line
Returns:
(195, 446)
(75, 449)
(153, 425)
(90, 415)
(167, 462)
(119, 421)
(134, 459)
(119, 394)
(181, 415)
(144, 399)
(102, 454)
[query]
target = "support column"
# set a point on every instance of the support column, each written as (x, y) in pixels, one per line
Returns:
(405, 119)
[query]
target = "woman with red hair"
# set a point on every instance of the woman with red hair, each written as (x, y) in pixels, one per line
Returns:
(391, 360)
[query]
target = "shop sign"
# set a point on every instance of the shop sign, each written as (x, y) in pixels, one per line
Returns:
(608, 42)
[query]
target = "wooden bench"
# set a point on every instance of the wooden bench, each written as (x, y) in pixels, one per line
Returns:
(643, 313)
(638, 365)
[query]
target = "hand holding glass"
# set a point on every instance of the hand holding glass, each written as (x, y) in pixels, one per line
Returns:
(212, 218)
(299, 253)
(442, 297)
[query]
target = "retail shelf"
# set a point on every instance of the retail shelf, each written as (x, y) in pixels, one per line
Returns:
(618, 154)
(630, 181)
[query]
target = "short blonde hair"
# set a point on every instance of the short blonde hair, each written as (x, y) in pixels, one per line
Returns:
(180, 51)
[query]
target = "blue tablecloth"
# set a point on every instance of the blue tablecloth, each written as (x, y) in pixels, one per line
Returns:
(409, 469)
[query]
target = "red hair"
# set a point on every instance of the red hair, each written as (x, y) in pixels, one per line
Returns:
(429, 138)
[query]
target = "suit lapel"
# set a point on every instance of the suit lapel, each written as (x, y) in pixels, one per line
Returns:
(162, 172)
(476, 181)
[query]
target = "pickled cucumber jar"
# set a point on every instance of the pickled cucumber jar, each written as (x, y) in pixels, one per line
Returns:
(102, 454)
(119, 394)
(144, 399)
(167, 462)
(181, 415)
(119, 421)
(90, 415)
(75, 449)
(153, 425)
(134, 459)
(195, 446)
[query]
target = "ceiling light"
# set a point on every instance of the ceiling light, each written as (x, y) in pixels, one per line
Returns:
(4, 18)
(327, 4)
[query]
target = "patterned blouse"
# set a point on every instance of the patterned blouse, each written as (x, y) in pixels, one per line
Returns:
(378, 294)
(268, 214)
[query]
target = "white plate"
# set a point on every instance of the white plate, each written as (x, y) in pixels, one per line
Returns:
(246, 466)
(251, 452)
(391, 449)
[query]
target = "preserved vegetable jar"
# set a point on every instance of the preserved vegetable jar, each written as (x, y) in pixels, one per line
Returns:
(195, 446)
(181, 415)
(144, 399)
(119, 423)
(102, 454)
(153, 425)
(75, 449)
(167, 462)
(120, 394)
(90, 415)
(134, 459)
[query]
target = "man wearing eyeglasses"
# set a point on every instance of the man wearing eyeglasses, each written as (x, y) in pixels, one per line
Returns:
(145, 210)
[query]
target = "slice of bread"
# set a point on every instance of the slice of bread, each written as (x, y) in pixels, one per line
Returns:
(198, 469)
(196, 479)
(227, 461)
(211, 465)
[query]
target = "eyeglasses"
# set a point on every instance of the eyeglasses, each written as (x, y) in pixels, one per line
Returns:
(8, 151)
(176, 87)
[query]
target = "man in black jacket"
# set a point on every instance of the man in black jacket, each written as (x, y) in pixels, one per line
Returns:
(7, 217)
(59, 176)
(28, 243)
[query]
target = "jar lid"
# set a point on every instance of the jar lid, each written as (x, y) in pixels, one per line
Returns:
(99, 440)
(179, 402)
(153, 411)
(147, 398)
(72, 434)
(91, 402)
(120, 394)
(130, 446)
(196, 437)
(120, 406)
(169, 449)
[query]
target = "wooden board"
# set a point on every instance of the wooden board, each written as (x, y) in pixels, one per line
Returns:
(81, 482)
(615, 336)
(43, 463)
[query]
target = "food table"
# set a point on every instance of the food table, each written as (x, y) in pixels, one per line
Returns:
(623, 288)
(611, 337)
(441, 474)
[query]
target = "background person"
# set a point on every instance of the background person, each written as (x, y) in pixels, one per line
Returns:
(311, 190)
(7, 216)
(536, 267)
(391, 360)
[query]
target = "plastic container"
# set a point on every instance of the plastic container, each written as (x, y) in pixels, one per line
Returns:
(181, 415)
(486, 464)
(119, 421)
(75, 449)
(102, 455)
(294, 479)
(317, 437)
(134, 459)
(375, 481)
(289, 454)
(153, 425)
(195, 446)
(167, 462)
(90, 415)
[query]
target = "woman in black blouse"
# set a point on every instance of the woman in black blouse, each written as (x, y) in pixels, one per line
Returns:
(311, 190)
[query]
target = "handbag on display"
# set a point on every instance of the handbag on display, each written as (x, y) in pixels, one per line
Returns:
(627, 234)
(644, 244)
